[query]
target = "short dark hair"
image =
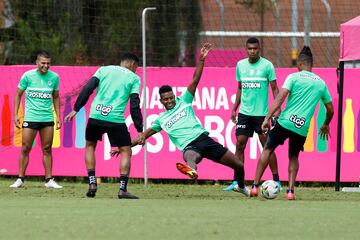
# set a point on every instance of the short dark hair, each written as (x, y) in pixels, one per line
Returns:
(43, 53)
(164, 89)
(129, 56)
(306, 56)
(252, 40)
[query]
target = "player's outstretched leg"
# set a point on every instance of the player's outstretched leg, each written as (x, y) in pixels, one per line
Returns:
(230, 160)
(241, 141)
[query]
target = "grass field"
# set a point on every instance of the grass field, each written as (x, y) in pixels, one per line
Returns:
(174, 211)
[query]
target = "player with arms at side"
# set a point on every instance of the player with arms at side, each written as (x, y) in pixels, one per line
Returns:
(180, 123)
(304, 90)
(42, 92)
(116, 85)
(254, 74)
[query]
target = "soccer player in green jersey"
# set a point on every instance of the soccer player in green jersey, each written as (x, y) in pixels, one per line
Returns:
(303, 90)
(254, 74)
(116, 86)
(184, 130)
(41, 86)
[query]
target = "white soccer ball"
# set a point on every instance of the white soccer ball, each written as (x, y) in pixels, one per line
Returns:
(269, 189)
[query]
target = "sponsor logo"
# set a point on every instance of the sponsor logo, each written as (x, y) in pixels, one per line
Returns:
(250, 85)
(298, 122)
(41, 95)
(241, 126)
(104, 110)
(25, 124)
(175, 119)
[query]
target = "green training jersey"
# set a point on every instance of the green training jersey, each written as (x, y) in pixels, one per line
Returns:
(116, 83)
(306, 89)
(39, 89)
(254, 79)
(180, 123)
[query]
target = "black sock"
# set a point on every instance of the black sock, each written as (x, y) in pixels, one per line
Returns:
(276, 177)
(91, 174)
(47, 179)
(290, 190)
(123, 182)
(239, 176)
(22, 179)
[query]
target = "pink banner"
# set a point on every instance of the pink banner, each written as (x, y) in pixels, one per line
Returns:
(212, 104)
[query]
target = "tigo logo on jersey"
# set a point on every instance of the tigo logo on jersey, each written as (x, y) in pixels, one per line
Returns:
(299, 122)
(105, 110)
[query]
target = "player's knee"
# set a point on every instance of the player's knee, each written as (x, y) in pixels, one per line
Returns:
(190, 155)
(46, 148)
(25, 148)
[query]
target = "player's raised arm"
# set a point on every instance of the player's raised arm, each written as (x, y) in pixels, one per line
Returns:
(199, 68)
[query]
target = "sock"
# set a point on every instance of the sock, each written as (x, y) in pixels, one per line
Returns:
(123, 182)
(290, 190)
(22, 179)
(47, 179)
(91, 174)
(276, 177)
(239, 176)
(255, 185)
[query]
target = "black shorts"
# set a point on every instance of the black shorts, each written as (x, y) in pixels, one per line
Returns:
(207, 148)
(247, 125)
(278, 135)
(117, 132)
(37, 125)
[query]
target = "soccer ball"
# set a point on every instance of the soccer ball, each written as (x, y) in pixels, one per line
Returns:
(269, 189)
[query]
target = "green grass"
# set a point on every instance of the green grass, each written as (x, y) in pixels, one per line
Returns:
(174, 211)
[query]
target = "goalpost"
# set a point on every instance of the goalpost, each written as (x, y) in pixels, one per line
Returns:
(144, 84)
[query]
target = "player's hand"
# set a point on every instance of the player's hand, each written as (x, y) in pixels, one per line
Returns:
(138, 140)
(70, 116)
(325, 132)
(114, 152)
(204, 51)
(233, 116)
(58, 123)
(17, 121)
(265, 126)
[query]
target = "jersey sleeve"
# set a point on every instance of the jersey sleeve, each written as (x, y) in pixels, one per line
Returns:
(271, 72)
(238, 75)
(23, 82)
(56, 85)
(289, 83)
(187, 97)
(326, 98)
(136, 85)
(156, 126)
(98, 73)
